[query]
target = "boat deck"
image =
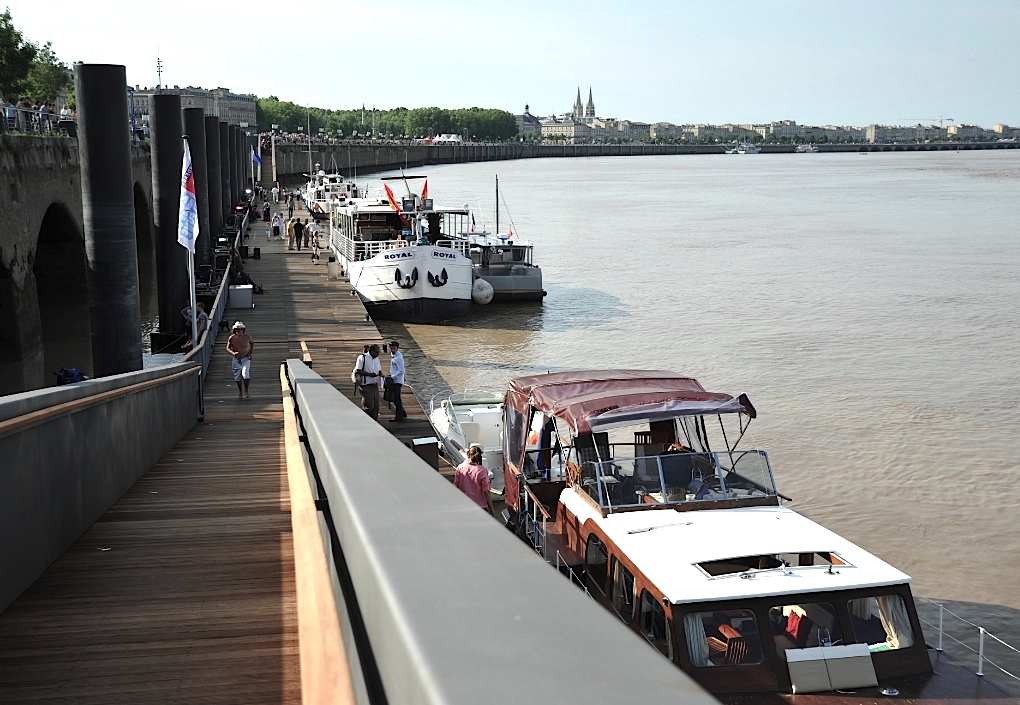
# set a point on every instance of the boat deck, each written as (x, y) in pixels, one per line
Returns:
(183, 592)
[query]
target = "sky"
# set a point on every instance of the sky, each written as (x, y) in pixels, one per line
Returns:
(893, 62)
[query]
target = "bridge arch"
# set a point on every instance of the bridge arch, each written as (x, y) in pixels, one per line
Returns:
(60, 270)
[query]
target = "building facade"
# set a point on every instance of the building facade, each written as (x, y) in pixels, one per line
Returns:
(234, 108)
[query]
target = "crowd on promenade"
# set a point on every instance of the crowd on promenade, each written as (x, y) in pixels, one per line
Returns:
(40, 117)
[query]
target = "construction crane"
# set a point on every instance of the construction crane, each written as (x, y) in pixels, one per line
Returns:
(939, 118)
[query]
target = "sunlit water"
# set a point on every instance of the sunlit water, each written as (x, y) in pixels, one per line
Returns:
(867, 304)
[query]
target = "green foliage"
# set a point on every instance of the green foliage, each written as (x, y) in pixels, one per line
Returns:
(479, 123)
(48, 75)
(16, 56)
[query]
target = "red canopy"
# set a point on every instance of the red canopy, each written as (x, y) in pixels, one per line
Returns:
(589, 400)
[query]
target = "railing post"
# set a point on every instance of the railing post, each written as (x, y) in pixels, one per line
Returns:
(981, 651)
(942, 610)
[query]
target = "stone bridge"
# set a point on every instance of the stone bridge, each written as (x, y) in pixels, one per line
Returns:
(44, 309)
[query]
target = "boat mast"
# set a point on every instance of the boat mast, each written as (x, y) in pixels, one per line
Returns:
(497, 205)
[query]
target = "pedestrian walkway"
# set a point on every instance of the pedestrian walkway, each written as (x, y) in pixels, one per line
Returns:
(183, 592)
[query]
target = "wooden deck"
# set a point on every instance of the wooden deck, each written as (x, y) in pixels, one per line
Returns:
(184, 591)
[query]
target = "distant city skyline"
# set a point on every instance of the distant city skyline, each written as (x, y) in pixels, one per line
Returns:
(740, 62)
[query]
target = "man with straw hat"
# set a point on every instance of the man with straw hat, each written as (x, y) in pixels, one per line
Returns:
(240, 346)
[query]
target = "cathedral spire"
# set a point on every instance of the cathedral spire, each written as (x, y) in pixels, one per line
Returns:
(589, 110)
(578, 106)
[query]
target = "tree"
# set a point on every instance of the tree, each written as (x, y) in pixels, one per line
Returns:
(16, 56)
(47, 76)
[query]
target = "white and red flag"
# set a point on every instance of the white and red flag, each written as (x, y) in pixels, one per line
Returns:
(187, 223)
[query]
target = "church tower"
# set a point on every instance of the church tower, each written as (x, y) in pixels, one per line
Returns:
(589, 110)
(578, 107)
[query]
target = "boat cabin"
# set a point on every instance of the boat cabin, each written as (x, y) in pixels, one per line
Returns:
(646, 489)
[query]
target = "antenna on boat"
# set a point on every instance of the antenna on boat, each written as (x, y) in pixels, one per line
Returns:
(497, 205)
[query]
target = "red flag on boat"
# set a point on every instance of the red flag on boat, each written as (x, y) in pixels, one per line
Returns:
(425, 190)
(394, 205)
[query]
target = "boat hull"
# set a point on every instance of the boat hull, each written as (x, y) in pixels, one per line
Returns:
(417, 310)
(513, 284)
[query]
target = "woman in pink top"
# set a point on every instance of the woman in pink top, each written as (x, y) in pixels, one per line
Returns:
(472, 479)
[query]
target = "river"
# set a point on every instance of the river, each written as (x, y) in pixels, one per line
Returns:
(867, 304)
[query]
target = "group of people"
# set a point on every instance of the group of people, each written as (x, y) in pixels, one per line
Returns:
(26, 116)
(304, 234)
(369, 380)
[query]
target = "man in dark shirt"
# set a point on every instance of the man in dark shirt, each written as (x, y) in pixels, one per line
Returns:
(298, 231)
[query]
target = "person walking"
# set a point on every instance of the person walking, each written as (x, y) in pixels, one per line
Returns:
(276, 194)
(299, 231)
(290, 207)
(277, 222)
(240, 346)
(472, 478)
(368, 373)
(396, 378)
(290, 234)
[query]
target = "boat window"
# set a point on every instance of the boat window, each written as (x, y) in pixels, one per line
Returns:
(803, 625)
(623, 591)
(723, 638)
(882, 622)
(770, 561)
(596, 562)
(654, 625)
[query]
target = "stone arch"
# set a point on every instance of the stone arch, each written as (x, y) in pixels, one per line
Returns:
(60, 271)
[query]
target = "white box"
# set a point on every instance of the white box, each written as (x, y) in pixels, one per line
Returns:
(240, 296)
(807, 670)
(849, 666)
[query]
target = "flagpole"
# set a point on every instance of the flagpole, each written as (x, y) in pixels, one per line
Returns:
(191, 281)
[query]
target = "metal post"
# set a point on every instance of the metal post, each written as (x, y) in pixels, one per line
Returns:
(981, 651)
(212, 165)
(167, 124)
(227, 204)
(108, 210)
(942, 610)
(194, 125)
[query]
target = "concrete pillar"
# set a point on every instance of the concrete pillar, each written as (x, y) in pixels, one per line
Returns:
(225, 186)
(232, 160)
(194, 128)
(108, 211)
(167, 126)
(212, 166)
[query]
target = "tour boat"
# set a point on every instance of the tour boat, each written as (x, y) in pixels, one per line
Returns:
(471, 418)
(323, 192)
(403, 260)
(748, 148)
(644, 489)
(806, 148)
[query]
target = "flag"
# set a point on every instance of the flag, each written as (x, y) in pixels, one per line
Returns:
(509, 234)
(255, 157)
(187, 222)
(472, 222)
(425, 190)
(395, 206)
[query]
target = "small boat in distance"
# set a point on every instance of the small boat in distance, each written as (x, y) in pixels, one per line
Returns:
(805, 148)
(748, 148)
(325, 191)
(643, 489)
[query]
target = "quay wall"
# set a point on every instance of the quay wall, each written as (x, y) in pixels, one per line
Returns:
(292, 161)
(41, 200)
(71, 452)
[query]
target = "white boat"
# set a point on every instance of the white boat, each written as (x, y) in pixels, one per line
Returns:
(748, 148)
(323, 192)
(471, 418)
(401, 258)
(654, 501)
(805, 149)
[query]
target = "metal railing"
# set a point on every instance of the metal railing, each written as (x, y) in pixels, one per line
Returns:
(970, 631)
(31, 121)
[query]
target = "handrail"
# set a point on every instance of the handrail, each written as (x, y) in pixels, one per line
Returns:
(34, 418)
(981, 632)
(325, 671)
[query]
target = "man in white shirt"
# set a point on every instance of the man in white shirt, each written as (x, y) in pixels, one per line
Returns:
(397, 377)
(369, 374)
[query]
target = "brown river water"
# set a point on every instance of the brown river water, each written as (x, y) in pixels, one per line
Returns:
(867, 304)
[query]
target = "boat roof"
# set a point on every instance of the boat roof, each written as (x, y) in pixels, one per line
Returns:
(667, 546)
(592, 400)
(381, 205)
(476, 398)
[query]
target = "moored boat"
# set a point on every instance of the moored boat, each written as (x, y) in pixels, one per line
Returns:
(402, 259)
(748, 148)
(806, 148)
(323, 192)
(471, 418)
(645, 490)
